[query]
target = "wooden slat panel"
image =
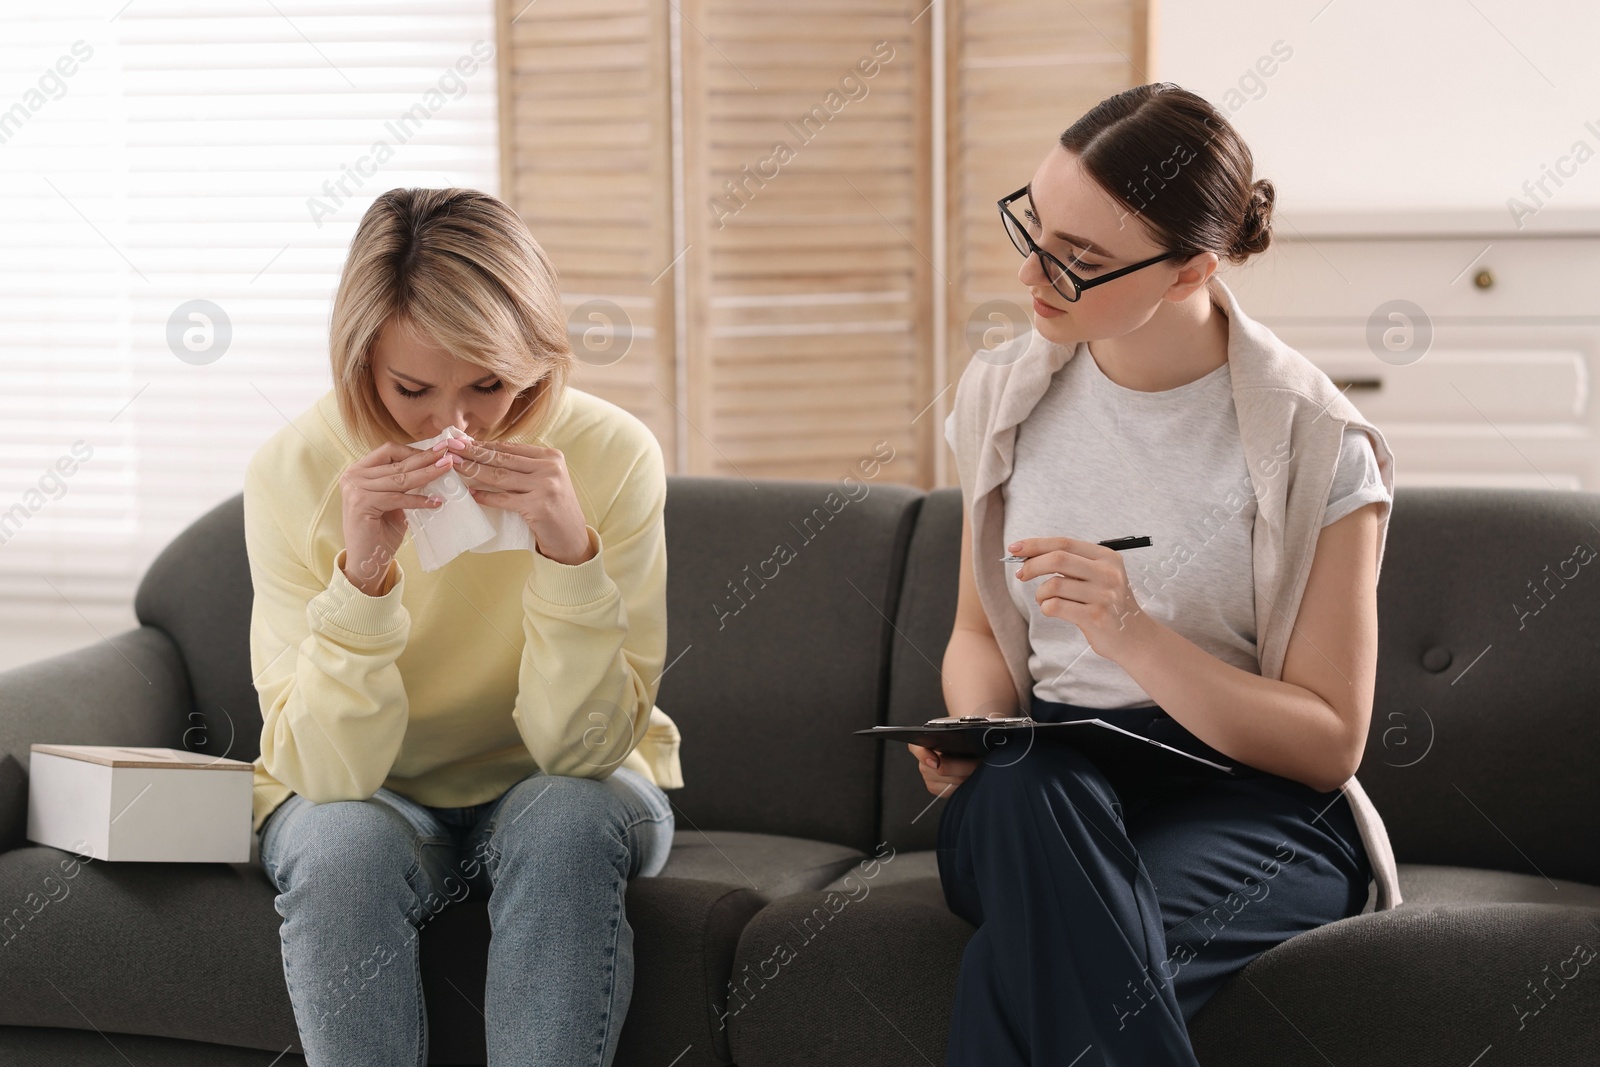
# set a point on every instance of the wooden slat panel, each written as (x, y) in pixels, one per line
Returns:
(809, 281)
(584, 99)
(814, 325)
(1002, 54)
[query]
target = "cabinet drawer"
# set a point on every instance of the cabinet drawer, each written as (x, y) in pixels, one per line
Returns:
(1466, 386)
(1488, 404)
(1349, 278)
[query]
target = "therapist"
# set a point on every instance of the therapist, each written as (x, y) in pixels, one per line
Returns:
(1109, 908)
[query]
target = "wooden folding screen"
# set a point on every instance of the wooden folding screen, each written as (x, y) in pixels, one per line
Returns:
(749, 190)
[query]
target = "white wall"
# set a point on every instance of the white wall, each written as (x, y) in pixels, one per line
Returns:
(1387, 105)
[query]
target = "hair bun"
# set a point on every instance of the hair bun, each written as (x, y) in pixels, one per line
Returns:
(1255, 228)
(1214, 203)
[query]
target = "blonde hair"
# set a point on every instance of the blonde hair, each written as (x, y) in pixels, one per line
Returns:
(458, 267)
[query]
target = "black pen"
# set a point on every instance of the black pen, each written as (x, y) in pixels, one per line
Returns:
(1116, 543)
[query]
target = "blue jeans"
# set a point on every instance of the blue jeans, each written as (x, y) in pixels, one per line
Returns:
(357, 880)
(1110, 908)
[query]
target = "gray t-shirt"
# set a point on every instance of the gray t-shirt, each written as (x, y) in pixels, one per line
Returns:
(1096, 460)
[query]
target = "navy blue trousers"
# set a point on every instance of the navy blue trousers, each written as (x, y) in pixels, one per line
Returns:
(1109, 910)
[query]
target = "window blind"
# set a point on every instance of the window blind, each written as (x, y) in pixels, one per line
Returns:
(183, 180)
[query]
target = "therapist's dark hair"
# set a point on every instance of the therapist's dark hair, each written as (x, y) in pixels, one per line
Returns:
(1179, 166)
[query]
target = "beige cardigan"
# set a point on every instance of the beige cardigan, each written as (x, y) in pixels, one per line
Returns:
(1280, 396)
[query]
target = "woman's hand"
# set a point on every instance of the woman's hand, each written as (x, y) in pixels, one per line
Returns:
(375, 491)
(531, 480)
(941, 773)
(1088, 588)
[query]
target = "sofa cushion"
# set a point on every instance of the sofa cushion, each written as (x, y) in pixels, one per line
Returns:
(58, 1047)
(780, 596)
(767, 864)
(902, 869)
(873, 981)
(181, 950)
(1462, 948)
(1424, 884)
(191, 951)
(863, 972)
(198, 591)
(916, 692)
(1441, 983)
(1483, 723)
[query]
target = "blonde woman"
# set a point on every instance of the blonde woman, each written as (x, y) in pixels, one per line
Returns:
(483, 729)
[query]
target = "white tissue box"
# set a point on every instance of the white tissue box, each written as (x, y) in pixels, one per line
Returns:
(150, 804)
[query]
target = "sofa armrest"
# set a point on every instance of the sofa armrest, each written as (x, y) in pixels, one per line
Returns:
(131, 689)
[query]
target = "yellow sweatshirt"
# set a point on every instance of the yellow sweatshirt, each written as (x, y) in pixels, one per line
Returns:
(454, 685)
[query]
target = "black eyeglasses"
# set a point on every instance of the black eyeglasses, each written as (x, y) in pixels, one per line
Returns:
(1062, 280)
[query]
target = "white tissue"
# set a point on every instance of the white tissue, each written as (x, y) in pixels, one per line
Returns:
(460, 524)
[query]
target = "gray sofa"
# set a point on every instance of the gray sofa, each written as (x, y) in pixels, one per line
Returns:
(1481, 757)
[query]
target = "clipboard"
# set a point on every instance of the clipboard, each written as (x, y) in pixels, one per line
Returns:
(1113, 748)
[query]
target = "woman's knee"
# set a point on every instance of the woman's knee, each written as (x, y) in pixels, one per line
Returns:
(1028, 773)
(343, 844)
(552, 814)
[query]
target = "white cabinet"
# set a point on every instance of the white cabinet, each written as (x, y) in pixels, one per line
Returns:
(1472, 353)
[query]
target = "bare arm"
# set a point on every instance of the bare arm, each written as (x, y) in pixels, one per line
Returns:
(1311, 726)
(976, 678)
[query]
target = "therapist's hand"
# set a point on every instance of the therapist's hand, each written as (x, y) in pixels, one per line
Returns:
(1087, 585)
(942, 774)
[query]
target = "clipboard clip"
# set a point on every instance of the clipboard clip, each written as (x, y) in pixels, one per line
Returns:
(961, 720)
